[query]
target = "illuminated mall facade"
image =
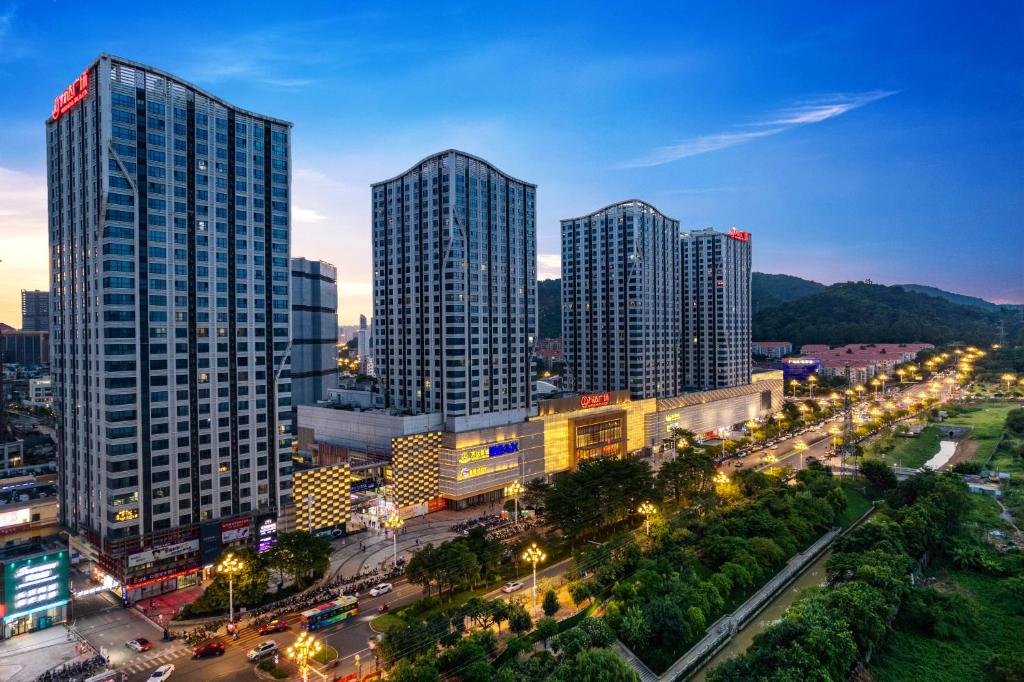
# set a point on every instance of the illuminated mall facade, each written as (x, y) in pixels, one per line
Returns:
(417, 465)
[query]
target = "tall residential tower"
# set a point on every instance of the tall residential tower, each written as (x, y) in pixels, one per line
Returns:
(716, 309)
(35, 311)
(455, 289)
(169, 264)
(621, 295)
(314, 366)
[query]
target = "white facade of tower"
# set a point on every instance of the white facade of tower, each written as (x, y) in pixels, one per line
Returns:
(716, 271)
(454, 289)
(169, 235)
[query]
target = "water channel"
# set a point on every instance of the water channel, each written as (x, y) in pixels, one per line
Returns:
(814, 575)
(945, 453)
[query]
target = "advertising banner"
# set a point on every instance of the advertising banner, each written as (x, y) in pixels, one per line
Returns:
(35, 583)
(234, 530)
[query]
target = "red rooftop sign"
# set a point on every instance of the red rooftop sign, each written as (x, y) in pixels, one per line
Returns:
(71, 96)
(738, 235)
(595, 400)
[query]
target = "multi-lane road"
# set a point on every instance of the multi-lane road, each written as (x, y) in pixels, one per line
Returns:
(109, 626)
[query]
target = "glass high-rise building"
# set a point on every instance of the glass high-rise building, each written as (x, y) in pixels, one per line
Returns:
(455, 289)
(716, 276)
(169, 251)
(621, 293)
(35, 311)
(314, 356)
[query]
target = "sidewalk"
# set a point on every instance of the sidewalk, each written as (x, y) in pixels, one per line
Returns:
(25, 657)
(161, 610)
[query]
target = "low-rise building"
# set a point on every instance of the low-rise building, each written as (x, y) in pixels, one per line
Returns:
(416, 464)
(771, 349)
(34, 591)
(40, 391)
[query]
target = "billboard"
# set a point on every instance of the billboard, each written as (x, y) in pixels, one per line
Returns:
(36, 583)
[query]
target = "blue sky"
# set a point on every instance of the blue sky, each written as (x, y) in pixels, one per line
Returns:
(854, 140)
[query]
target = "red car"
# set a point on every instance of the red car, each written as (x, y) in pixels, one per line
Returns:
(139, 644)
(208, 649)
(273, 626)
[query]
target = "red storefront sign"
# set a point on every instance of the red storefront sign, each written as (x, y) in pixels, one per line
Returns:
(71, 96)
(436, 504)
(595, 400)
(738, 235)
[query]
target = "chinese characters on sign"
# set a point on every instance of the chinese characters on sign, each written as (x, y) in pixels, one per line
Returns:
(595, 400)
(738, 235)
(71, 96)
(35, 583)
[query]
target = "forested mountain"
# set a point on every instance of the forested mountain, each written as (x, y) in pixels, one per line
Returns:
(853, 311)
(768, 291)
(960, 299)
(549, 308)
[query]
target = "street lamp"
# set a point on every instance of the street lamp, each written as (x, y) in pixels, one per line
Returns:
(800, 447)
(721, 478)
(1008, 378)
(394, 522)
(811, 380)
(883, 378)
(515, 490)
(647, 509)
(794, 384)
(304, 648)
(534, 555)
(231, 566)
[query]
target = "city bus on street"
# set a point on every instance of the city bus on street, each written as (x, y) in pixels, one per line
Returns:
(330, 612)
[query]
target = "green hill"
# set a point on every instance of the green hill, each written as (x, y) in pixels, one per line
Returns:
(853, 311)
(768, 291)
(960, 299)
(549, 308)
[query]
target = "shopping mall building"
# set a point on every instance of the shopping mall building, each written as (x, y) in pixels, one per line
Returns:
(378, 461)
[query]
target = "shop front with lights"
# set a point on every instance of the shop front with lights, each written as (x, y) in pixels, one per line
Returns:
(590, 426)
(476, 466)
(35, 591)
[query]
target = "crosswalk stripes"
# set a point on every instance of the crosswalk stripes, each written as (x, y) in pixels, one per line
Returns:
(154, 660)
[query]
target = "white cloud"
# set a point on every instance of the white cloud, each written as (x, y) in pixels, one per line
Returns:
(814, 110)
(549, 265)
(307, 216)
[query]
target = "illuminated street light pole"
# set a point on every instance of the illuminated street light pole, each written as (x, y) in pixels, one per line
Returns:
(231, 566)
(800, 447)
(394, 522)
(811, 380)
(534, 555)
(304, 648)
(647, 509)
(515, 490)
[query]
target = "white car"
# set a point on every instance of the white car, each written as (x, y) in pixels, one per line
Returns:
(261, 650)
(378, 590)
(509, 588)
(162, 673)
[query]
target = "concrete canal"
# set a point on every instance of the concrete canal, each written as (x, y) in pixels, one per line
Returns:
(814, 575)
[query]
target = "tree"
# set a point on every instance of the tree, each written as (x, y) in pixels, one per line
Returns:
(612, 487)
(579, 590)
(690, 474)
(519, 620)
(546, 629)
(406, 671)
(633, 626)
(878, 474)
(421, 568)
(595, 665)
(301, 555)
(550, 604)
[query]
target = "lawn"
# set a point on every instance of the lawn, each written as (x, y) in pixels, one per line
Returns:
(856, 504)
(326, 654)
(905, 451)
(908, 656)
(986, 422)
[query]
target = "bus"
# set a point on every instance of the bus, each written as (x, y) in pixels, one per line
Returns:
(330, 612)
